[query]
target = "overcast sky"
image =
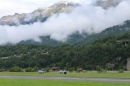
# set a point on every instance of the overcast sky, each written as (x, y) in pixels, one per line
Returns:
(9, 7)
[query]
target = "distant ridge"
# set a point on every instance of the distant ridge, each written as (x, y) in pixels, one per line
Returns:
(40, 14)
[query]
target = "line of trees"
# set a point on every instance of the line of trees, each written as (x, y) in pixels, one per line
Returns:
(106, 53)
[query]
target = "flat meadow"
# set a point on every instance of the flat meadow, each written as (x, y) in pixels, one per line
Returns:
(22, 82)
(88, 74)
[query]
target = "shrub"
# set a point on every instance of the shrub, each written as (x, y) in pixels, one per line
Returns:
(121, 71)
(104, 71)
(35, 69)
(1, 70)
(99, 69)
(15, 69)
(71, 70)
(29, 69)
(47, 69)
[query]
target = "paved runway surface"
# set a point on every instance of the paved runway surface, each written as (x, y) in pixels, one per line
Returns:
(68, 79)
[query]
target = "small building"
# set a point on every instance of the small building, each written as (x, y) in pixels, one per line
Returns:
(128, 64)
(124, 42)
(4, 57)
(79, 69)
(55, 68)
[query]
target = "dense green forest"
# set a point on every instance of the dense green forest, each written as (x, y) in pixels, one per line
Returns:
(109, 53)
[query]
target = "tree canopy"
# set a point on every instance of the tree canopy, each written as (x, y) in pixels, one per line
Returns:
(108, 53)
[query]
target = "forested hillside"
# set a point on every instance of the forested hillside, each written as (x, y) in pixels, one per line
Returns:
(79, 39)
(108, 53)
(112, 31)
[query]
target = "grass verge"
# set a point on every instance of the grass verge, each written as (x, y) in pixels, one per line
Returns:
(21, 82)
(109, 74)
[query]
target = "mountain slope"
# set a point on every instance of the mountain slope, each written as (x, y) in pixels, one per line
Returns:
(112, 31)
(107, 3)
(76, 38)
(40, 14)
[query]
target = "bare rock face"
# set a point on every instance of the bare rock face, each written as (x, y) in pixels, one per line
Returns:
(12, 19)
(40, 14)
(60, 7)
(107, 3)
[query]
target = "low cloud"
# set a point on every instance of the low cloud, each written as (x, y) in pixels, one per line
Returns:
(89, 19)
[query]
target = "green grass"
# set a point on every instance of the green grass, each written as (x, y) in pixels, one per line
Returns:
(22, 82)
(109, 74)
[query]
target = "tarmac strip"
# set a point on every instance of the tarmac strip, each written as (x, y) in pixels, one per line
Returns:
(68, 79)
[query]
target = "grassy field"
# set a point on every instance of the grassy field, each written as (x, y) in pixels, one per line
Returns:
(94, 74)
(21, 82)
